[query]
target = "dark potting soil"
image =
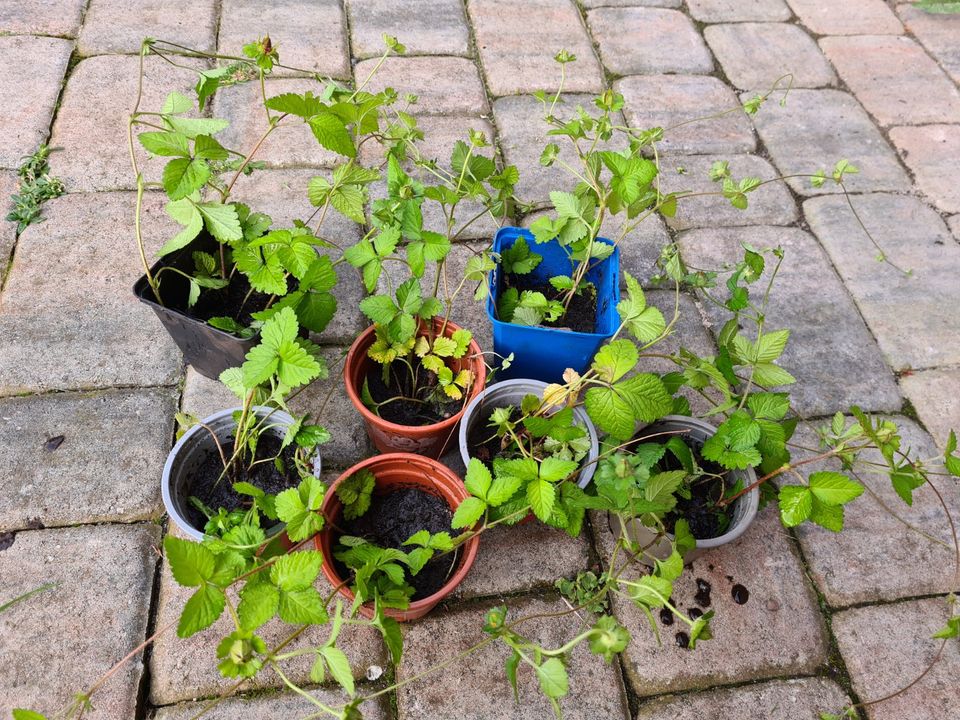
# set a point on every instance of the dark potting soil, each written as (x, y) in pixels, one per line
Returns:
(216, 495)
(231, 301)
(392, 518)
(401, 384)
(700, 510)
(483, 442)
(581, 314)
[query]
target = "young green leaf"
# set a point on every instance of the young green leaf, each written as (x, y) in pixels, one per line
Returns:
(191, 563)
(258, 603)
(796, 504)
(614, 360)
(552, 676)
(298, 507)
(468, 513)
(201, 610)
(541, 495)
(297, 570)
(339, 667)
(833, 488)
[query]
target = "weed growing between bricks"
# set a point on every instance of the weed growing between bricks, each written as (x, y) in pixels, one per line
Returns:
(659, 485)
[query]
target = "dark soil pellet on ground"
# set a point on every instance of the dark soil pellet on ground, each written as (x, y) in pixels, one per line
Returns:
(702, 598)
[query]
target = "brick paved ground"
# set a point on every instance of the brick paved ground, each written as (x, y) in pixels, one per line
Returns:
(829, 619)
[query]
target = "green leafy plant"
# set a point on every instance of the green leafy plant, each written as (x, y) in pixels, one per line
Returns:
(281, 362)
(36, 186)
(642, 479)
(231, 245)
(420, 355)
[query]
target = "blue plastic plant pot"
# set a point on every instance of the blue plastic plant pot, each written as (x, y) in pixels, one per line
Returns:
(544, 353)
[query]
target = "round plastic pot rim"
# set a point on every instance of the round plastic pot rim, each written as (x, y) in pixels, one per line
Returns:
(751, 499)
(190, 436)
(479, 382)
(417, 608)
(537, 387)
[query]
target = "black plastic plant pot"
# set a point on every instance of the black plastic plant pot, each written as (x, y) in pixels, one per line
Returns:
(208, 349)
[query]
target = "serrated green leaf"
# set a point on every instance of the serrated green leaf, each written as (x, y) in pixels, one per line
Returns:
(770, 375)
(165, 144)
(833, 488)
(221, 221)
(176, 103)
(614, 360)
(296, 570)
(296, 367)
(651, 591)
(331, 133)
(184, 176)
(304, 106)
(468, 513)
(647, 396)
(610, 412)
(542, 496)
(796, 504)
(771, 345)
(827, 516)
(192, 127)
(339, 667)
(554, 469)
(302, 607)
(566, 204)
(191, 563)
(553, 679)
(478, 479)
(187, 214)
(258, 603)
(201, 610)
(769, 406)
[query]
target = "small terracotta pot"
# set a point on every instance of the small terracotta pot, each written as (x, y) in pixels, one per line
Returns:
(395, 471)
(430, 440)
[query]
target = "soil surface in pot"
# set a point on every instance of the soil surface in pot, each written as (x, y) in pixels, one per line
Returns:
(483, 442)
(700, 510)
(264, 475)
(581, 315)
(400, 383)
(392, 518)
(231, 301)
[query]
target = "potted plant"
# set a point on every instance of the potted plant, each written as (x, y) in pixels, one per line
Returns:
(387, 538)
(681, 492)
(530, 311)
(224, 469)
(411, 374)
(510, 419)
(228, 269)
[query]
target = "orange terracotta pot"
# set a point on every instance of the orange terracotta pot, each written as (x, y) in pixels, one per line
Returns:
(430, 440)
(395, 471)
